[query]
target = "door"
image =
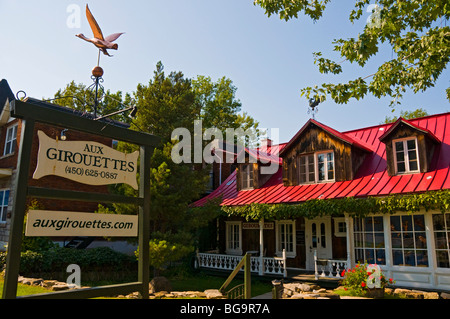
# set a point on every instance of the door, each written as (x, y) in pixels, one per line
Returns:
(318, 238)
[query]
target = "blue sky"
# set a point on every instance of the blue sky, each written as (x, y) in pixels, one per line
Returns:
(267, 59)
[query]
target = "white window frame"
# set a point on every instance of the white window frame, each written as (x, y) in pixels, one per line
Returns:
(337, 221)
(316, 168)
(406, 155)
(279, 240)
(3, 205)
(229, 237)
(307, 171)
(246, 182)
(10, 140)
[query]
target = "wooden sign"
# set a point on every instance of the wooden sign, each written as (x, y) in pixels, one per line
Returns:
(85, 162)
(256, 225)
(62, 223)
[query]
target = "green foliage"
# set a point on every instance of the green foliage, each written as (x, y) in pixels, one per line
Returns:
(355, 207)
(407, 115)
(414, 30)
(163, 252)
(79, 97)
(356, 279)
(57, 259)
(35, 243)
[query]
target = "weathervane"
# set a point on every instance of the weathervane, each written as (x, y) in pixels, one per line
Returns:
(313, 102)
(103, 44)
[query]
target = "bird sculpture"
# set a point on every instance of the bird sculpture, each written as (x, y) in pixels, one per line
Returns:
(102, 43)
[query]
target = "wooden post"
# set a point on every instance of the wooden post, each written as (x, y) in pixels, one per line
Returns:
(19, 209)
(144, 221)
(261, 247)
(349, 241)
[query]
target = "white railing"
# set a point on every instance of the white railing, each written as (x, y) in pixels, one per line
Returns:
(329, 268)
(271, 265)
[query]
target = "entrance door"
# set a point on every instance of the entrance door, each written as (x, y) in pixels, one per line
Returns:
(318, 237)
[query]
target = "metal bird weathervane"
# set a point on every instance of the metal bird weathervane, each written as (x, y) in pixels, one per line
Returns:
(103, 44)
(98, 40)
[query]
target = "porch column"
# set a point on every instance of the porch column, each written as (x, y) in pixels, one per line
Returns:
(349, 240)
(261, 246)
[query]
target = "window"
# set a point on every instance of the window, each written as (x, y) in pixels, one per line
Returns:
(325, 166)
(340, 227)
(285, 237)
(307, 174)
(4, 198)
(406, 156)
(369, 240)
(441, 226)
(318, 167)
(409, 241)
(233, 238)
(10, 141)
(247, 176)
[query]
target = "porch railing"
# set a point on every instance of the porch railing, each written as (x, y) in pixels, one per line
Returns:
(329, 268)
(270, 265)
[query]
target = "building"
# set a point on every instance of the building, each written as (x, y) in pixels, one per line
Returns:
(10, 130)
(378, 194)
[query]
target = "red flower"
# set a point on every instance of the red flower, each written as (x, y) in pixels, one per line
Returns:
(391, 280)
(343, 273)
(363, 284)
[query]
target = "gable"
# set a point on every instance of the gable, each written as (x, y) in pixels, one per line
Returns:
(315, 137)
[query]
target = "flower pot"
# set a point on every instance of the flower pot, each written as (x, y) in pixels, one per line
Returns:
(375, 293)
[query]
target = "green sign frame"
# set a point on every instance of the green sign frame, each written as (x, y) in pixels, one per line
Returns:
(33, 111)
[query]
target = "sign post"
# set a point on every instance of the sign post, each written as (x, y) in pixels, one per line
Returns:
(46, 113)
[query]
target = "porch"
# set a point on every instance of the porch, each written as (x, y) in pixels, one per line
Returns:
(324, 269)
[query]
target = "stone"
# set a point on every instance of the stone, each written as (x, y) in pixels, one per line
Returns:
(213, 294)
(60, 286)
(49, 283)
(158, 284)
(445, 295)
(318, 291)
(297, 296)
(430, 295)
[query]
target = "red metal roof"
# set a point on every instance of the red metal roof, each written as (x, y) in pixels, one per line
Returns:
(371, 179)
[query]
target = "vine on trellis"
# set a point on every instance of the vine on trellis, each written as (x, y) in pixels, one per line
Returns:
(355, 207)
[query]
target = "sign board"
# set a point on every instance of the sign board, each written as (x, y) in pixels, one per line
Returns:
(62, 223)
(256, 225)
(85, 162)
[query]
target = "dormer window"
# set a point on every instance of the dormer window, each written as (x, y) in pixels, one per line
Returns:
(409, 147)
(406, 156)
(317, 167)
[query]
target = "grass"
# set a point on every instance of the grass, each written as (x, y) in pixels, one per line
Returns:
(187, 282)
(24, 290)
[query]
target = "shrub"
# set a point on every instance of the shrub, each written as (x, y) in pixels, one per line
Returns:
(57, 259)
(357, 279)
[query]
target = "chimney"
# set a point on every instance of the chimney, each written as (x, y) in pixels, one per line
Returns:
(266, 143)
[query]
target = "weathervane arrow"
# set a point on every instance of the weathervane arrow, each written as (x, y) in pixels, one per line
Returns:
(98, 40)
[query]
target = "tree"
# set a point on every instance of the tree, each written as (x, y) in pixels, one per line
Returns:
(415, 30)
(407, 115)
(81, 98)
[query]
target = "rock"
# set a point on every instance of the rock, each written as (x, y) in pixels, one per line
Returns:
(213, 294)
(49, 283)
(328, 295)
(158, 284)
(31, 281)
(297, 296)
(430, 295)
(60, 286)
(445, 295)
(318, 291)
